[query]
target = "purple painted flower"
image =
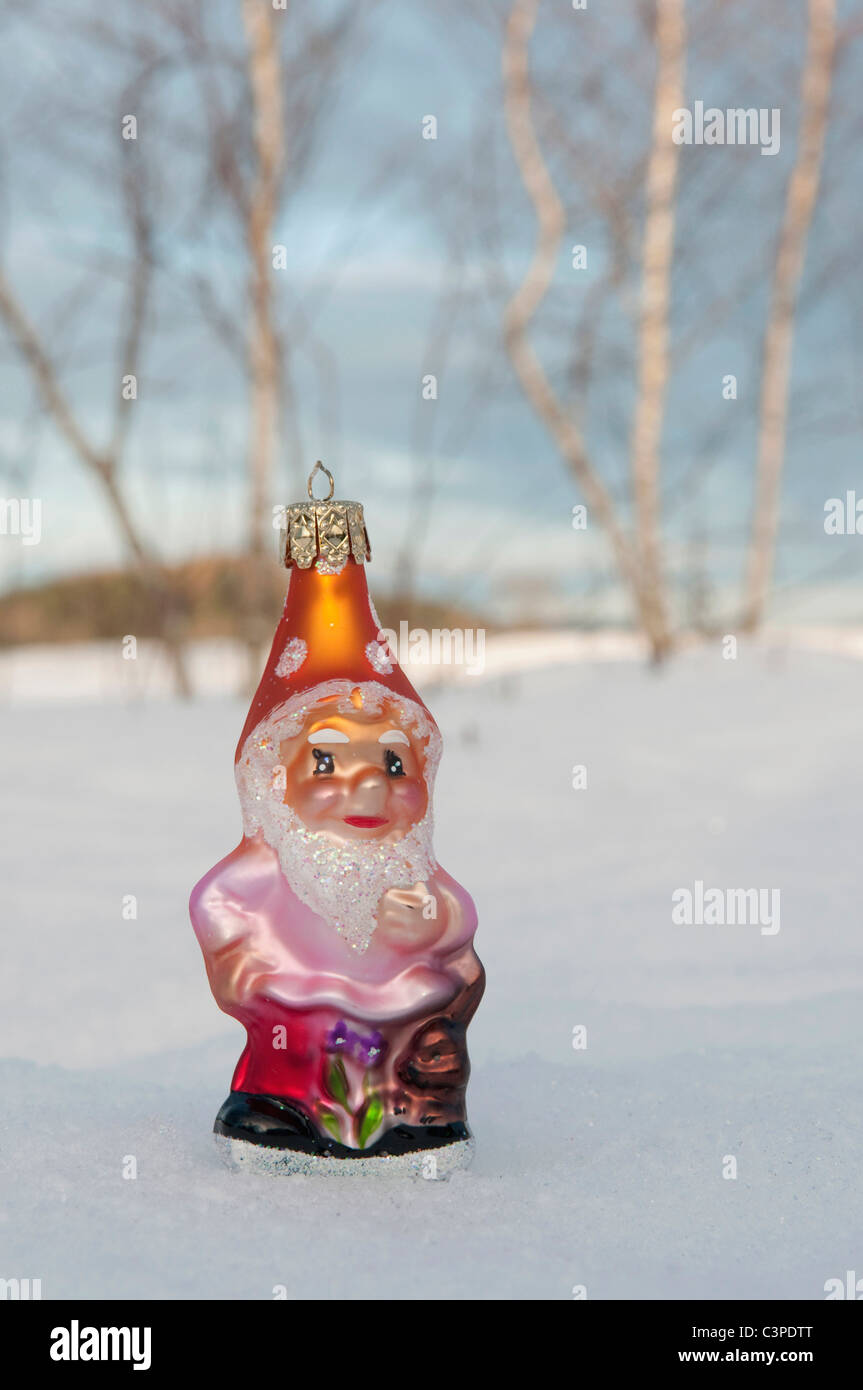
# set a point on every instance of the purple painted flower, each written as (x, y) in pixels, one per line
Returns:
(366, 1048)
(369, 1050)
(337, 1037)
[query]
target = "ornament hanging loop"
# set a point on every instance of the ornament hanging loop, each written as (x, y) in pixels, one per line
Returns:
(323, 532)
(332, 482)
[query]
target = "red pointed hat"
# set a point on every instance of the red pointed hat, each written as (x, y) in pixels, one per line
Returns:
(329, 629)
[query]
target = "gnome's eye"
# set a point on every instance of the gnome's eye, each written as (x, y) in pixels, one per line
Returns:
(323, 762)
(394, 764)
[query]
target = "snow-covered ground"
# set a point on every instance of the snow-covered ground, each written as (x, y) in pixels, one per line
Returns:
(600, 1167)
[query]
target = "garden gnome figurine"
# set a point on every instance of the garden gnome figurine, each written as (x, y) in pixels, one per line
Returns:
(331, 932)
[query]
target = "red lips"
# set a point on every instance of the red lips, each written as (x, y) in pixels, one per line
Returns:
(365, 822)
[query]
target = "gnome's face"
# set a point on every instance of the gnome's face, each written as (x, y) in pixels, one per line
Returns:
(355, 776)
(337, 781)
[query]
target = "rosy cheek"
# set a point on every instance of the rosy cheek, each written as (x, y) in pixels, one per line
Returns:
(408, 799)
(315, 800)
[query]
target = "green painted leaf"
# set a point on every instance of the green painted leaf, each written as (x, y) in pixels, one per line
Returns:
(372, 1114)
(337, 1081)
(330, 1121)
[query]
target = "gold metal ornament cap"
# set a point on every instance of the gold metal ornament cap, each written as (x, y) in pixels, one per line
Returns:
(324, 532)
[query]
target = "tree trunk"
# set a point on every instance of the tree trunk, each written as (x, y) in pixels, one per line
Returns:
(265, 80)
(653, 335)
(779, 338)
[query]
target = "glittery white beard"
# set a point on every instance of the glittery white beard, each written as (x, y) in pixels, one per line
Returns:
(344, 883)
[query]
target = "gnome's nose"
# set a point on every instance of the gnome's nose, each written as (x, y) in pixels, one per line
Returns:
(370, 785)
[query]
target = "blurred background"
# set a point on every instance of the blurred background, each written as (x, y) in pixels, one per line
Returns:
(452, 251)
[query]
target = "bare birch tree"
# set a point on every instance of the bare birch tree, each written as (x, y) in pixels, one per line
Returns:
(265, 81)
(638, 558)
(800, 204)
(259, 209)
(283, 102)
(653, 332)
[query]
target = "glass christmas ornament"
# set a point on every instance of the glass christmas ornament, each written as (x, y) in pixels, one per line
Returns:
(331, 932)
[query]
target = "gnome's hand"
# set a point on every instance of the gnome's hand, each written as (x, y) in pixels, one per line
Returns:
(410, 918)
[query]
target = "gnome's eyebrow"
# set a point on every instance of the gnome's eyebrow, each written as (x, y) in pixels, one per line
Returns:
(393, 736)
(328, 736)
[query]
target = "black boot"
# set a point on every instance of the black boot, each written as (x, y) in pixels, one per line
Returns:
(281, 1124)
(404, 1139)
(268, 1120)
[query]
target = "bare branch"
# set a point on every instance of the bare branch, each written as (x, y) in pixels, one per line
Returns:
(99, 462)
(47, 381)
(521, 308)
